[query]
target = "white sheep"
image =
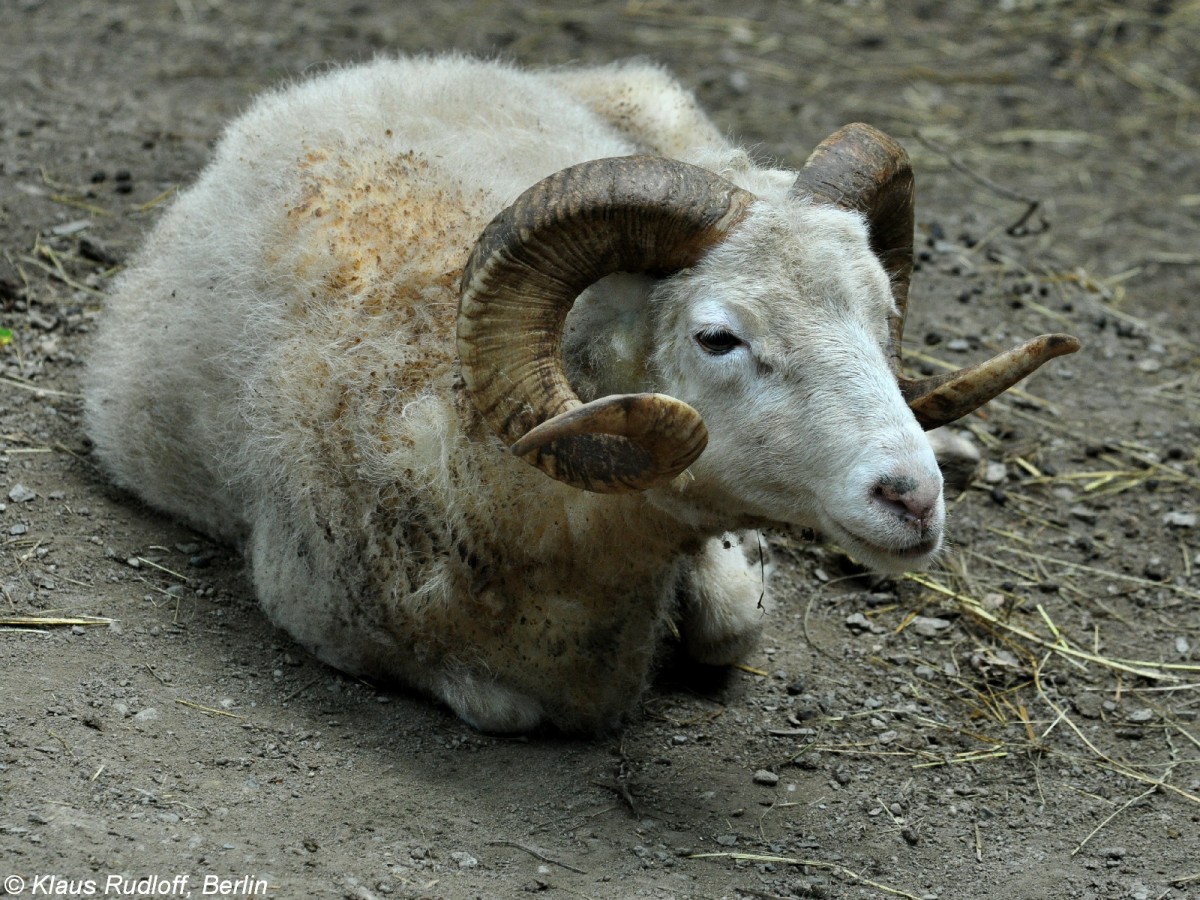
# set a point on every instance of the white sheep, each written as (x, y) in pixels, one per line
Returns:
(288, 366)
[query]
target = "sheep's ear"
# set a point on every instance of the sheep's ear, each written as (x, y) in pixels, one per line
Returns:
(862, 169)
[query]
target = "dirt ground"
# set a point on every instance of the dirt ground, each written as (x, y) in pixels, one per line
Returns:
(1020, 723)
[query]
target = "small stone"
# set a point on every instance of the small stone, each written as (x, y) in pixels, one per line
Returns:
(727, 840)
(1140, 716)
(1090, 706)
(464, 860)
(1182, 647)
(149, 714)
(995, 472)
(18, 493)
(1084, 514)
(1154, 569)
(1149, 365)
(766, 777)
(929, 626)
(858, 622)
(17, 530)
(1180, 519)
(66, 229)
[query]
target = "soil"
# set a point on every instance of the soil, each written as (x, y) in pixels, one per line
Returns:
(1019, 723)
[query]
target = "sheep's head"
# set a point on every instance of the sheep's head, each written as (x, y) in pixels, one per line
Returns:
(776, 341)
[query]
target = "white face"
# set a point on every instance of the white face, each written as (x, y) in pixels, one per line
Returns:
(777, 339)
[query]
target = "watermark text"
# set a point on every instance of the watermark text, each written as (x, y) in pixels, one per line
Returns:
(147, 886)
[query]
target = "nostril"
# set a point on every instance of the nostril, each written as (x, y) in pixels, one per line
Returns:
(906, 498)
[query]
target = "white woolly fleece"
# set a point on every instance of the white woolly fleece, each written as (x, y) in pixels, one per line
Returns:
(277, 368)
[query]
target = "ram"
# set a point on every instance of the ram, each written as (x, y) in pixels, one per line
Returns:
(485, 370)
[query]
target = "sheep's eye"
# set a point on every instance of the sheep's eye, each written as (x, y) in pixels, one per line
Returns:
(718, 342)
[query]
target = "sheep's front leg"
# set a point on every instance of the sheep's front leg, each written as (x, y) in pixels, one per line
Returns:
(722, 602)
(488, 705)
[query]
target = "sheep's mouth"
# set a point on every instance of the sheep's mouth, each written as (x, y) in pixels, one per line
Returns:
(887, 558)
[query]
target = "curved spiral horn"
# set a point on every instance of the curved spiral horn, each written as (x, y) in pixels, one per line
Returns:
(626, 214)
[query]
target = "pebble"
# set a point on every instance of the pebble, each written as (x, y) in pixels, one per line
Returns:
(1154, 569)
(18, 493)
(1182, 647)
(1084, 514)
(766, 777)
(149, 714)
(858, 622)
(464, 860)
(69, 228)
(929, 626)
(1140, 715)
(1090, 706)
(995, 472)
(1180, 519)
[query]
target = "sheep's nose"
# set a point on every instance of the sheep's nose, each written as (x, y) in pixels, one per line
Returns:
(912, 500)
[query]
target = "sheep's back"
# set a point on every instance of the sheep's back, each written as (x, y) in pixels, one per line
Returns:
(297, 301)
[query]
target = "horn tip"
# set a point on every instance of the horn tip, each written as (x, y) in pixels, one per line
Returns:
(1061, 344)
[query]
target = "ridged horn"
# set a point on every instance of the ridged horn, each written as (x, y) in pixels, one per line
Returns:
(862, 169)
(625, 214)
(942, 399)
